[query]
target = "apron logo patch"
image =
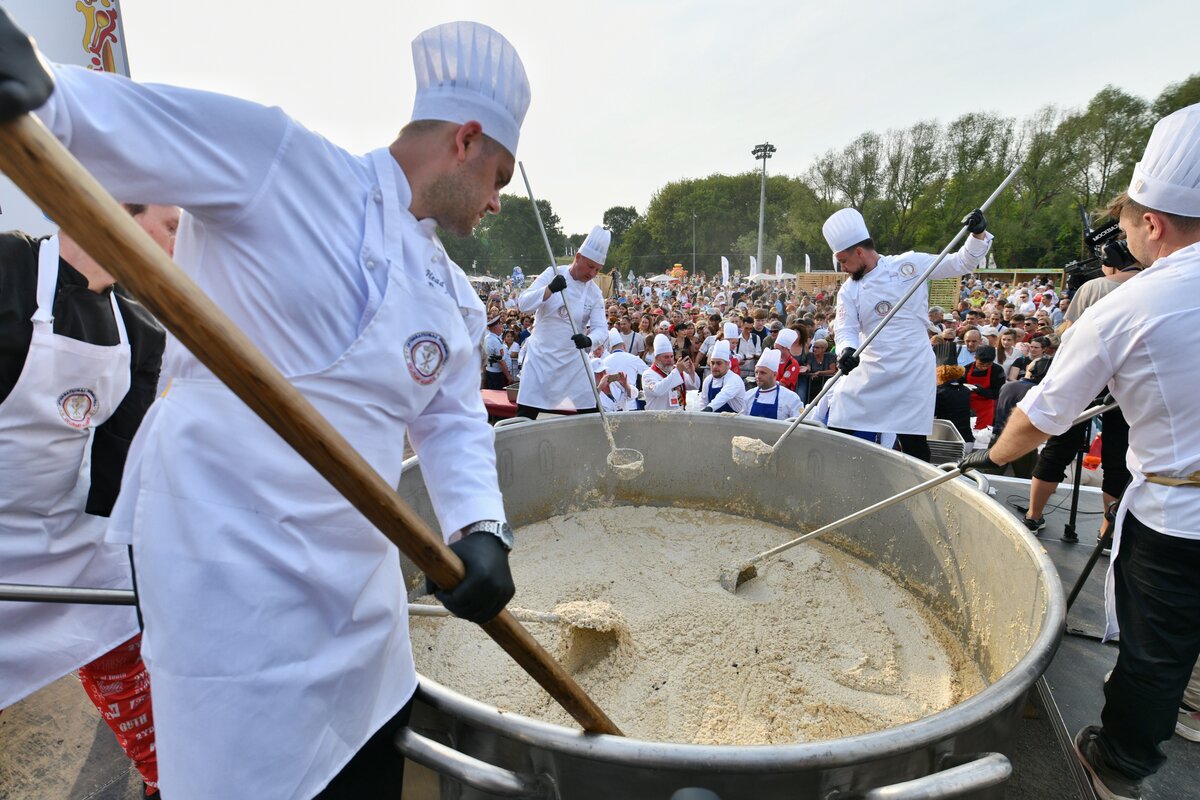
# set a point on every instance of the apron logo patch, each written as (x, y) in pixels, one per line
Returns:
(562, 312)
(908, 269)
(425, 353)
(883, 307)
(77, 407)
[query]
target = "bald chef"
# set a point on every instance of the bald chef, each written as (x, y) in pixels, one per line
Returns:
(276, 624)
(895, 389)
(553, 379)
(666, 383)
(771, 399)
(723, 390)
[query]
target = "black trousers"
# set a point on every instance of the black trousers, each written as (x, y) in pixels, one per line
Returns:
(377, 770)
(1157, 583)
(494, 380)
(1113, 445)
(1059, 452)
(529, 412)
(911, 444)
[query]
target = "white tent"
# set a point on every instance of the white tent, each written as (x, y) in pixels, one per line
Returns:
(662, 279)
(482, 279)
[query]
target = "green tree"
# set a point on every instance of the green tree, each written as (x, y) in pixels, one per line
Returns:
(1177, 96)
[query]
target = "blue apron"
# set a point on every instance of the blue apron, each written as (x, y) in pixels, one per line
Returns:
(713, 391)
(763, 410)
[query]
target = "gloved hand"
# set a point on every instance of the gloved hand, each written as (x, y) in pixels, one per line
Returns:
(582, 342)
(558, 284)
(976, 222)
(978, 459)
(847, 361)
(25, 83)
(488, 585)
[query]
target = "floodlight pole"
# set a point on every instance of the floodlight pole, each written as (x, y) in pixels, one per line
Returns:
(761, 152)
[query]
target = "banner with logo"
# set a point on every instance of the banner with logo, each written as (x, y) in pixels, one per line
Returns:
(807, 263)
(778, 265)
(753, 266)
(86, 33)
(724, 271)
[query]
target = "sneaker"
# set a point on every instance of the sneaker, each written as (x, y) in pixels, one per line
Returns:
(1108, 783)
(1034, 525)
(1188, 724)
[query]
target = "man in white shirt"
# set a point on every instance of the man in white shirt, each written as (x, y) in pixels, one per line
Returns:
(635, 343)
(618, 360)
(666, 383)
(614, 389)
(276, 623)
(769, 399)
(1131, 341)
(971, 341)
(722, 390)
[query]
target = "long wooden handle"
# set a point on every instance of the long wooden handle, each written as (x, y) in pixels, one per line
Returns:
(51, 177)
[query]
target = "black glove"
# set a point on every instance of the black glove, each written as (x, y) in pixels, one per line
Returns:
(488, 585)
(847, 361)
(25, 83)
(976, 222)
(582, 342)
(558, 284)
(980, 460)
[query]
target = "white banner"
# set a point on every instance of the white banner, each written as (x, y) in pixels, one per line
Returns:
(724, 271)
(86, 33)
(778, 265)
(753, 266)
(807, 263)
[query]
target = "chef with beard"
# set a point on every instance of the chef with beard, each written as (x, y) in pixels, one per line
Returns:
(770, 399)
(894, 390)
(723, 390)
(666, 383)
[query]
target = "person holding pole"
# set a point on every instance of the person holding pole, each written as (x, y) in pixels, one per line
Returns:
(899, 363)
(276, 623)
(1130, 341)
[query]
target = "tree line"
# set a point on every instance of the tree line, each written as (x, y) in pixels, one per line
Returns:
(913, 185)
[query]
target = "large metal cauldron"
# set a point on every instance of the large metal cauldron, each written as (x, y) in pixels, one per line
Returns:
(976, 567)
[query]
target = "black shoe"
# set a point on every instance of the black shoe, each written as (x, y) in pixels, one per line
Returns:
(1035, 525)
(1022, 510)
(1070, 538)
(1108, 783)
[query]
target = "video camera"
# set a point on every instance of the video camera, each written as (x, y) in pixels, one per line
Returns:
(1108, 249)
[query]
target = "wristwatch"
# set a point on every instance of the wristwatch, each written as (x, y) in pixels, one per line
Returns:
(501, 530)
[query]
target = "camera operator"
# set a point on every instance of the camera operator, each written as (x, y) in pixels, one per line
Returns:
(1117, 266)
(1132, 344)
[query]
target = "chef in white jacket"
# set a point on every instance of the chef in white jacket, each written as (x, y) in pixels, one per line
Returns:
(770, 399)
(1135, 341)
(276, 624)
(666, 383)
(723, 390)
(614, 388)
(894, 389)
(620, 360)
(553, 377)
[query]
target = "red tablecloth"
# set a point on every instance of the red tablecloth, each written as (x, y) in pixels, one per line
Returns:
(497, 404)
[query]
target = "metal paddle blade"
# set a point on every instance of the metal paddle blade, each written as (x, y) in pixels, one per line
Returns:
(733, 577)
(626, 462)
(750, 452)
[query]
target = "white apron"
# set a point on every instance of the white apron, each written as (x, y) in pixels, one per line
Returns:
(276, 621)
(894, 386)
(66, 388)
(553, 377)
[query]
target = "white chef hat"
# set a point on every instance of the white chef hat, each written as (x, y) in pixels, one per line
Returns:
(844, 229)
(770, 359)
(614, 338)
(662, 345)
(732, 331)
(720, 352)
(595, 246)
(467, 71)
(787, 337)
(1168, 176)
(597, 365)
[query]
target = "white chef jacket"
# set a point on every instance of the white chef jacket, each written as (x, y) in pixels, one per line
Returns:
(789, 402)
(1139, 342)
(632, 366)
(660, 391)
(554, 377)
(894, 386)
(258, 583)
(619, 401)
(731, 391)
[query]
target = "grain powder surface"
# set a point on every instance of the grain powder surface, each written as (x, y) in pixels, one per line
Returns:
(819, 646)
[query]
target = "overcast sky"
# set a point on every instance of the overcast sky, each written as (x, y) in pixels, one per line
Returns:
(628, 96)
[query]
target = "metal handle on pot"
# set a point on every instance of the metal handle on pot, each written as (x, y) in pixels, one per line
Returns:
(987, 770)
(982, 482)
(501, 423)
(472, 772)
